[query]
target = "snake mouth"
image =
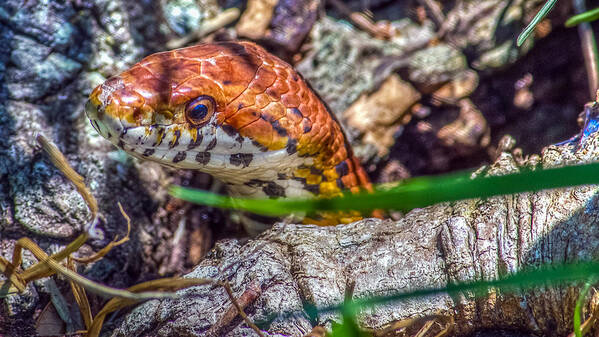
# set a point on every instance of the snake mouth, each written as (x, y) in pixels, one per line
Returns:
(106, 126)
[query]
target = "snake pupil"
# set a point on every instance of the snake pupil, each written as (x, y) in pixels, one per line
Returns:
(198, 112)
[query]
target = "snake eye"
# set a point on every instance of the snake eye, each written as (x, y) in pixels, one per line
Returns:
(200, 110)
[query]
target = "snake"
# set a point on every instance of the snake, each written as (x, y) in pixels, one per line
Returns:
(236, 112)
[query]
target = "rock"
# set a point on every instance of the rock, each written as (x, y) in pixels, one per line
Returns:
(256, 18)
(378, 116)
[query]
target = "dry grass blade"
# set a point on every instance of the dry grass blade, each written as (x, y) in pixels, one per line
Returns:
(15, 282)
(102, 252)
(252, 292)
(62, 164)
(81, 298)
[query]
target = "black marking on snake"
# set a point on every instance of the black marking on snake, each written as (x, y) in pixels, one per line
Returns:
(278, 128)
(240, 106)
(149, 152)
(175, 141)
(315, 171)
(281, 176)
(291, 146)
(312, 188)
(342, 169)
(340, 183)
(300, 179)
(160, 136)
(267, 118)
(193, 144)
(121, 144)
(211, 145)
(243, 159)
(259, 146)
(179, 156)
(108, 134)
(297, 112)
(295, 78)
(307, 125)
(203, 157)
(226, 82)
(272, 189)
(228, 129)
(255, 182)
(239, 139)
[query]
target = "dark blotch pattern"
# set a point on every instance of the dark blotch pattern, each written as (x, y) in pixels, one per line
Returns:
(211, 145)
(203, 157)
(175, 141)
(179, 156)
(274, 190)
(279, 129)
(297, 112)
(342, 169)
(160, 136)
(149, 152)
(228, 129)
(255, 183)
(312, 188)
(241, 159)
(291, 146)
(260, 146)
(192, 145)
(315, 171)
(340, 183)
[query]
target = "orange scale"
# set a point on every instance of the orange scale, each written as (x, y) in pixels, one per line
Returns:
(181, 71)
(281, 85)
(262, 100)
(195, 87)
(295, 116)
(275, 110)
(243, 118)
(290, 127)
(350, 181)
(263, 79)
(305, 95)
(281, 72)
(127, 114)
(291, 100)
(293, 86)
(233, 74)
(244, 101)
(273, 93)
(260, 131)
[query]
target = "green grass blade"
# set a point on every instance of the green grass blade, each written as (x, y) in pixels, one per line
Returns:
(414, 193)
(547, 276)
(578, 308)
(587, 16)
(538, 17)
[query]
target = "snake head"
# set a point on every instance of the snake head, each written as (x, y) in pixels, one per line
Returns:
(229, 109)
